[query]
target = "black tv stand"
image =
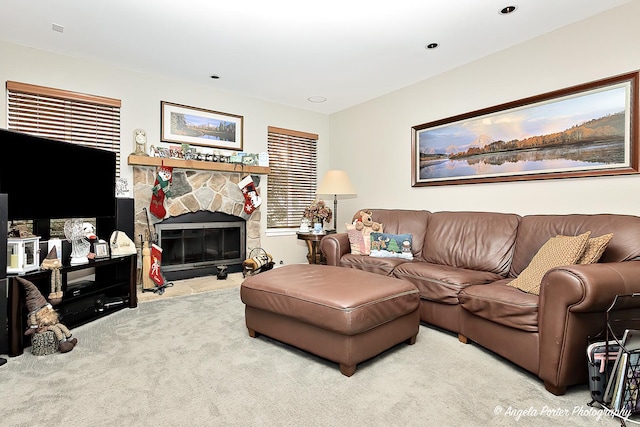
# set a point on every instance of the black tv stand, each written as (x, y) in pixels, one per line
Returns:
(112, 287)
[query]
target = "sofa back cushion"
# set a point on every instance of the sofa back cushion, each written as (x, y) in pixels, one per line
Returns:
(399, 221)
(535, 230)
(482, 241)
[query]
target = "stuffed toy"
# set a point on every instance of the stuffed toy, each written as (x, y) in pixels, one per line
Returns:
(51, 262)
(365, 221)
(42, 317)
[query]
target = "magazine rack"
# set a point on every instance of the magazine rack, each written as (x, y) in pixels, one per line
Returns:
(621, 397)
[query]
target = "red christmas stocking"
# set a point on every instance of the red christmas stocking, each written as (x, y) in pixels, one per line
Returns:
(156, 259)
(251, 198)
(160, 191)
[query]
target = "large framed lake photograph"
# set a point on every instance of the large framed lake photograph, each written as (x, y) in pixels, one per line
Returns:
(581, 131)
(196, 126)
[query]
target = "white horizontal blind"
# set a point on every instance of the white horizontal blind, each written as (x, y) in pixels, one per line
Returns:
(292, 182)
(88, 120)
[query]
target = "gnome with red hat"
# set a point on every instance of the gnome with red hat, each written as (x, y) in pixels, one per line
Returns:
(42, 317)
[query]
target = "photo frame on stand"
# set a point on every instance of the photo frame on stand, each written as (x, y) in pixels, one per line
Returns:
(101, 249)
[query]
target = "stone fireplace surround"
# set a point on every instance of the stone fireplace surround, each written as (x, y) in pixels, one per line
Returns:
(193, 191)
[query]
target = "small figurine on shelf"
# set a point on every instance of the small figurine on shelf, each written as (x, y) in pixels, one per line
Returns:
(53, 263)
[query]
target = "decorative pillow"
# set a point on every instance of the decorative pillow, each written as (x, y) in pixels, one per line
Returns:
(385, 245)
(557, 251)
(356, 241)
(595, 248)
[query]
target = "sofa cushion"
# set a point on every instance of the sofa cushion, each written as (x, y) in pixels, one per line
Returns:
(557, 251)
(482, 241)
(441, 283)
(502, 304)
(387, 245)
(595, 248)
(384, 266)
(535, 230)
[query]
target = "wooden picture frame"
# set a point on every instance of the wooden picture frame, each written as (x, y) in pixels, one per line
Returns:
(196, 126)
(582, 131)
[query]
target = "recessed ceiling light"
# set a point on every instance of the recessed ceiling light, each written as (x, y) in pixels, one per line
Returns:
(431, 46)
(507, 10)
(316, 99)
(215, 76)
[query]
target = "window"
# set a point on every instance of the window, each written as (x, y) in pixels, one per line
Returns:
(79, 118)
(88, 120)
(292, 182)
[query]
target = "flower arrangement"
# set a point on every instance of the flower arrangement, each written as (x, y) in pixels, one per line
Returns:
(318, 212)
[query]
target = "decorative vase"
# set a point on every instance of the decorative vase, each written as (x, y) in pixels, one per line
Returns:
(304, 225)
(317, 228)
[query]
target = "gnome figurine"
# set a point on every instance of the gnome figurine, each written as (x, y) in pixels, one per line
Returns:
(51, 262)
(42, 317)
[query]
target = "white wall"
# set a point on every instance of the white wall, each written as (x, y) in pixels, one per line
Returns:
(141, 95)
(377, 134)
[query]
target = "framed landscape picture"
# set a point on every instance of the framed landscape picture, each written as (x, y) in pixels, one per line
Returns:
(585, 130)
(197, 126)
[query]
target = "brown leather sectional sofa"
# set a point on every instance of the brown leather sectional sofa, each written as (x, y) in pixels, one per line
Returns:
(462, 262)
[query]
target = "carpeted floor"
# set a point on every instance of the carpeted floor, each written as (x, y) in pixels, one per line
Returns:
(188, 361)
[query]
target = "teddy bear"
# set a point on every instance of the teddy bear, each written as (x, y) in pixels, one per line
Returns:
(365, 221)
(42, 317)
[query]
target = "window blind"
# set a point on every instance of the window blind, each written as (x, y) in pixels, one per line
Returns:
(88, 120)
(292, 182)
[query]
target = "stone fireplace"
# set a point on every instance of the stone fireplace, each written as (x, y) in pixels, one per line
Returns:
(194, 193)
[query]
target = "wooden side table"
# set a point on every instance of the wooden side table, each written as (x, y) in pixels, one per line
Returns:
(315, 255)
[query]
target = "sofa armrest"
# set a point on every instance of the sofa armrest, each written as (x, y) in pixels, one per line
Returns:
(589, 288)
(572, 306)
(333, 246)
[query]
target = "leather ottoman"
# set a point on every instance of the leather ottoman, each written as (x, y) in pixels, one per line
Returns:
(341, 314)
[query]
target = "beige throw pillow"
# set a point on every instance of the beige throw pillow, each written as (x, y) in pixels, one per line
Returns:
(557, 251)
(595, 248)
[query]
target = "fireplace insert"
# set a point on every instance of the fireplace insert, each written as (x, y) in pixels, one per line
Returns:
(195, 244)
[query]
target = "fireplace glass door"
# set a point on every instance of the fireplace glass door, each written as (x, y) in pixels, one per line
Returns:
(189, 246)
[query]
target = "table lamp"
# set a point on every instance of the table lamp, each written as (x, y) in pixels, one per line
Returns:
(336, 182)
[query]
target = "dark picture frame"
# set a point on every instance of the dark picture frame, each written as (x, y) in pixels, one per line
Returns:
(581, 131)
(182, 124)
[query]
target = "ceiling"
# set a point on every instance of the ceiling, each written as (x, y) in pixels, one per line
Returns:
(285, 51)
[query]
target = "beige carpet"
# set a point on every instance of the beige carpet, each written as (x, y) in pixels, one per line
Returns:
(188, 361)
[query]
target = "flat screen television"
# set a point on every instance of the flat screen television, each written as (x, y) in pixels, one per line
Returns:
(48, 179)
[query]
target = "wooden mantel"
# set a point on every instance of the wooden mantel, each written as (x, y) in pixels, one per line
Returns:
(134, 160)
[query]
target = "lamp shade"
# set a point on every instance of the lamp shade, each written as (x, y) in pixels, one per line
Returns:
(334, 182)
